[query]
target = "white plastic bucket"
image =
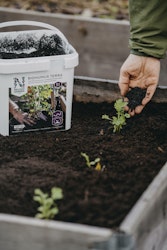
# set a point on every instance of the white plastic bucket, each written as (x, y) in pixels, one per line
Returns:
(32, 81)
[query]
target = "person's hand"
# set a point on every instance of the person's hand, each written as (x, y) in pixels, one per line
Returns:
(23, 118)
(142, 72)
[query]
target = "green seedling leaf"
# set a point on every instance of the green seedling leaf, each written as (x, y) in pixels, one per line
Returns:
(39, 216)
(120, 120)
(37, 199)
(91, 163)
(86, 159)
(54, 210)
(56, 193)
(47, 206)
(127, 115)
(106, 117)
(119, 105)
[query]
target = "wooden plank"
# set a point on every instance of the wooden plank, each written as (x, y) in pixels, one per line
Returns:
(18, 233)
(88, 89)
(102, 44)
(147, 221)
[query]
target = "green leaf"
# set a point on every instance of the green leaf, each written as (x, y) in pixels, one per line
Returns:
(37, 198)
(106, 117)
(86, 158)
(92, 163)
(56, 193)
(39, 216)
(119, 105)
(127, 115)
(48, 202)
(97, 160)
(41, 209)
(122, 120)
(40, 193)
(115, 121)
(54, 210)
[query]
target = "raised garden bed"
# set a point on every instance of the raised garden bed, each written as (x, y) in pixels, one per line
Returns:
(101, 199)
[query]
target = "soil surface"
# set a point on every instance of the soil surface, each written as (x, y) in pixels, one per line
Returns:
(92, 8)
(130, 161)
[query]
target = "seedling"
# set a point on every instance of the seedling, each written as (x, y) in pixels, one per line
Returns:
(120, 120)
(48, 208)
(90, 164)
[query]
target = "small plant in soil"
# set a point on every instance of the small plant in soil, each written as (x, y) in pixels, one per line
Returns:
(135, 97)
(90, 164)
(48, 207)
(120, 120)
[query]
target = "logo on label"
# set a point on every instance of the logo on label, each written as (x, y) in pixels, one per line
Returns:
(57, 118)
(19, 85)
(58, 84)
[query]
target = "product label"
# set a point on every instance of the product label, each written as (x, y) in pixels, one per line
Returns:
(34, 106)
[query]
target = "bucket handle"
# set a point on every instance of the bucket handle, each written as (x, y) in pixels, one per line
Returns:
(33, 23)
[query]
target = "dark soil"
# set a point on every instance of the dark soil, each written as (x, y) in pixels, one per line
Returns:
(130, 160)
(135, 97)
(21, 46)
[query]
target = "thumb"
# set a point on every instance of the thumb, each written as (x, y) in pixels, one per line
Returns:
(124, 82)
(149, 94)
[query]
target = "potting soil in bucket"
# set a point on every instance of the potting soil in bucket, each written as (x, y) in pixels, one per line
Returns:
(36, 79)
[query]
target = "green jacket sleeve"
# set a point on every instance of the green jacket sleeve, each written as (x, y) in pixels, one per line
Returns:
(148, 27)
